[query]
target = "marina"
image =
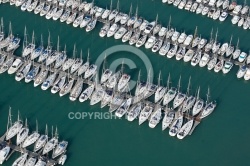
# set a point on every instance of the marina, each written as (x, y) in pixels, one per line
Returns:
(167, 40)
(91, 137)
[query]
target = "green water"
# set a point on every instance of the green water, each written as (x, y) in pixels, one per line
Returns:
(220, 139)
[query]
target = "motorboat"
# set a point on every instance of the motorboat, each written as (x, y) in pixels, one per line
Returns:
(149, 27)
(127, 36)
(172, 51)
(112, 30)
(188, 40)
(223, 16)
(15, 66)
(242, 57)
(242, 71)
(189, 55)
(141, 41)
(150, 42)
(219, 65)
(156, 47)
(196, 58)
(204, 60)
(227, 67)
(119, 34)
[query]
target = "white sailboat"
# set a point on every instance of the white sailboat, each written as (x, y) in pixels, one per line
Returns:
(180, 97)
(168, 118)
(15, 128)
(29, 48)
(41, 140)
(38, 51)
(160, 91)
(122, 110)
(77, 89)
(22, 134)
(176, 126)
(60, 148)
(51, 144)
(199, 104)
(87, 93)
(23, 71)
(185, 129)
(155, 116)
(20, 160)
(209, 106)
(134, 111)
(32, 138)
(49, 81)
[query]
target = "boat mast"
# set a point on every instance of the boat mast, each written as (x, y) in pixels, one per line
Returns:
(195, 31)
(81, 54)
(169, 22)
(26, 123)
(104, 63)
(10, 29)
(46, 130)
(9, 120)
(56, 133)
(211, 34)
(25, 37)
(52, 132)
(179, 84)
(156, 19)
(130, 10)
(216, 35)
(74, 51)
(1, 27)
(33, 37)
(237, 46)
(231, 40)
(208, 95)
(117, 5)
(111, 5)
(122, 67)
(36, 126)
(148, 78)
(41, 39)
(88, 56)
(136, 11)
(139, 76)
(49, 41)
(58, 44)
(189, 84)
(159, 78)
(198, 93)
(168, 83)
(18, 116)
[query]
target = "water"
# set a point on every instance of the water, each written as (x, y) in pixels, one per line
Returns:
(220, 138)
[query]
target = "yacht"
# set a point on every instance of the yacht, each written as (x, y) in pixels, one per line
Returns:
(200, 8)
(202, 43)
(20, 160)
(37, 52)
(66, 88)
(119, 34)
(112, 81)
(216, 14)
(60, 148)
(45, 9)
(196, 58)
(58, 14)
(182, 4)
(23, 71)
(188, 40)
(223, 49)
(123, 108)
(235, 19)
(112, 30)
(127, 36)
(83, 68)
(32, 74)
(155, 117)
(182, 38)
(76, 65)
(99, 12)
(22, 134)
(188, 103)
(209, 46)
(176, 2)
(156, 47)
(180, 53)
(13, 44)
(30, 162)
(106, 75)
(209, 108)
(198, 106)
(204, 60)
(28, 49)
(41, 77)
(32, 138)
(71, 18)
(179, 99)
(176, 126)
(131, 21)
(58, 84)
(52, 12)
(50, 145)
(205, 10)
(15, 66)
(236, 53)
(5, 42)
(143, 25)
(76, 91)
(185, 129)
(160, 91)
(116, 102)
(123, 82)
(78, 20)
(124, 19)
(104, 29)
(150, 42)
(65, 16)
(242, 57)
(45, 54)
(19, 2)
(39, 8)
(175, 36)
(211, 64)
(188, 5)
(87, 93)
(68, 63)
(138, 23)
(106, 13)
(62, 159)
(219, 65)
(91, 25)
(85, 21)
(156, 29)
(227, 67)
(62, 3)
(61, 58)
(168, 118)
(196, 41)
(91, 71)
(4, 153)
(134, 111)
(194, 7)
(13, 130)
(242, 71)
(32, 6)
(169, 96)
(247, 74)
(113, 14)
(107, 97)
(223, 16)
(162, 31)
(134, 38)
(97, 96)
(229, 50)
(164, 49)
(149, 27)
(25, 5)
(241, 21)
(49, 81)
(172, 51)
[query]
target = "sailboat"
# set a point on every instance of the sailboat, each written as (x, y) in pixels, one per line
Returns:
(185, 129)
(53, 57)
(77, 89)
(5, 42)
(134, 111)
(168, 117)
(155, 116)
(180, 97)
(199, 104)
(22, 134)
(70, 61)
(20, 160)
(28, 49)
(42, 140)
(160, 91)
(15, 128)
(122, 110)
(49, 81)
(51, 144)
(38, 51)
(209, 106)
(230, 48)
(46, 52)
(77, 64)
(170, 95)
(176, 125)
(84, 67)
(189, 102)
(61, 58)
(32, 138)
(237, 51)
